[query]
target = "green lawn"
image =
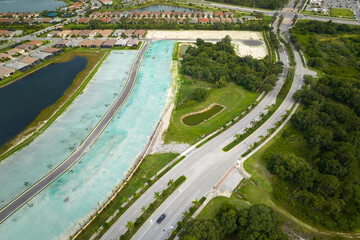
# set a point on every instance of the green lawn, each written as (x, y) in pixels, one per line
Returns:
(341, 12)
(234, 97)
(199, 118)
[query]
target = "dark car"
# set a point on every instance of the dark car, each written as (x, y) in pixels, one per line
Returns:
(161, 218)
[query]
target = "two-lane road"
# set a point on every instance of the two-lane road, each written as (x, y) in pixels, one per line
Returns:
(76, 155)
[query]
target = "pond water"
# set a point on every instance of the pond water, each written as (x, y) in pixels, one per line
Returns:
(200, 117)
(29, 5)
(162, 8)
(64, 135)
(22, 101)
(56, 212)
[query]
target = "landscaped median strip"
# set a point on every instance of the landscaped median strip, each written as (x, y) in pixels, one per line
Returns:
(256, 124)
(132, 227)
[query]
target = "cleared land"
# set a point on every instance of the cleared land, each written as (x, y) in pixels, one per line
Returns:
(235, 35)
(243, 50)
(341, 12)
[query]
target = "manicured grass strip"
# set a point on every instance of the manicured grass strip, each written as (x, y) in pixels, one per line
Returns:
(186, 217)
(132, 228)
(341, 12)
(198, 118)
(176, 52)
(141, 178)
(48, 111)
(170, 167)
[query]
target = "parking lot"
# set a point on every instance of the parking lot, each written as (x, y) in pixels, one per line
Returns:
(324, 7)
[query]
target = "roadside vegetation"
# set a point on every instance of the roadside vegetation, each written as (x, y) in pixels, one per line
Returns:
(50, 113)
(266, 4)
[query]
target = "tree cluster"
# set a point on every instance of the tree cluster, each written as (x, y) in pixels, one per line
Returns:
(329, 182)
(255, 222)
(267, 4)
(219, 64)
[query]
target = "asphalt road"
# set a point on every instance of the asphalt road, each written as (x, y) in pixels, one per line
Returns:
(76, 155)
(204, 167)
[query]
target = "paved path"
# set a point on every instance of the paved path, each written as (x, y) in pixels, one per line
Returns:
(76, 155)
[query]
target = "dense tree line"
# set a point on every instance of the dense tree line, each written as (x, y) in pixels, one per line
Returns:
(255, 222)
(162, 23)
(267, 4)
(329, 183)
(219, 64)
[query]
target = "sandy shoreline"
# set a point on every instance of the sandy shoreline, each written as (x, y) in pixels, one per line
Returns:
(194, 34)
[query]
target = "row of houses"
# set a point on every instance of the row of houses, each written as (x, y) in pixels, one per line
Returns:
(98, 43)
(164, 14)
(10, 33)
(29, 20)
(97, 33)
(23, 48)
(19, 15)
(29, 61)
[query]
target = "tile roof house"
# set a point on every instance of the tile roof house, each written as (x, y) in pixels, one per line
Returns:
(62, 43)
(85, 43)
(41, 55)
(139, 33)
(208, 14)
(6, 72)
(129, 32)
(218, 14)
(194, 20)
(85, 33)
(4, 56)
(109, 43)
(187, 14)
(36, 43)
(25, 46)
(215, 20)
(15, 51)
(30, 60)
(198, 14)
(52, 50)
(96, 43)
(118, 32)
(203, 20)
(133, 42)
(166, 14)
(229, 14)
(107, 32)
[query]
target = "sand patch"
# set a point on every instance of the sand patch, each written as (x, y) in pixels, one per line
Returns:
(194, 34)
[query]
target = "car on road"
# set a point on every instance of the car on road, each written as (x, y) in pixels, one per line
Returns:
(161, 218)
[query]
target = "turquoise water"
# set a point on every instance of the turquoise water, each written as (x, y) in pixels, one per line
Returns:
(63, 136)
(162, 8)
(29, 5)
(56, 212)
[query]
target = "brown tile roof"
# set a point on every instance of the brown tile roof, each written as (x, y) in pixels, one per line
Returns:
(218, 14)
(203, 20)
(50, 50)
(85, 42)
(29, 60)
(4, 56)
(139, 33)
(6, 71)
(36, 42)
(97, 42)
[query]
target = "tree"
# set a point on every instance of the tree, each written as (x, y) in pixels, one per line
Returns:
(227, 217)
(157, 196)
(196, 203)
(201, 230)
(130, 226)
(171, 183)
(260, 222)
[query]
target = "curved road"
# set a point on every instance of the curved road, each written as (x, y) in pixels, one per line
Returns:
(76, 155)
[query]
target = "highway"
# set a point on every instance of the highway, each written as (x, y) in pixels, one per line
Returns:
(76, 155)
(205, 166)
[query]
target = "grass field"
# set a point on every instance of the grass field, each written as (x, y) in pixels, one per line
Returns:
(70, 94)
(341, 12)
(234, 97)
(198, 118)
(148, 168)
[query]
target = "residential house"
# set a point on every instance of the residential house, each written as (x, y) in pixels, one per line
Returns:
(121, 42)
(109, 43)
(198, 14)
(214, 20)
(62, 44)
(19, 66)
(118, 32)
(166, 14)
(96, 43)
(30, 60)
(187, 14)
(229, 14)
(83, 20)
(41, 55)
(203, 20)
(26, 47)
(85, 43)
(129, 32)
(85, 33)
(133, 42)
(218, 14)
(106, 33)
(54, 51)
(4, 57)
(139, 33)
(36, 43)
(15, 51)
(194, 20)
(208, 14)
(6, 72)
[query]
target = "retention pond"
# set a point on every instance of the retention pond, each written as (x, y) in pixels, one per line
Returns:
(59, 209)
(22, 101)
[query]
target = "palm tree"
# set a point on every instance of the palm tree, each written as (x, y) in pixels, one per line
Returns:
(187, 214)
(171, 183)
(130, 226)
(143, 209)
(157, 196)
(196, 203)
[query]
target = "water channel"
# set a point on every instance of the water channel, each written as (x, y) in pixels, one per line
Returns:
(57, 211)
(22, 101)
(162, 8)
